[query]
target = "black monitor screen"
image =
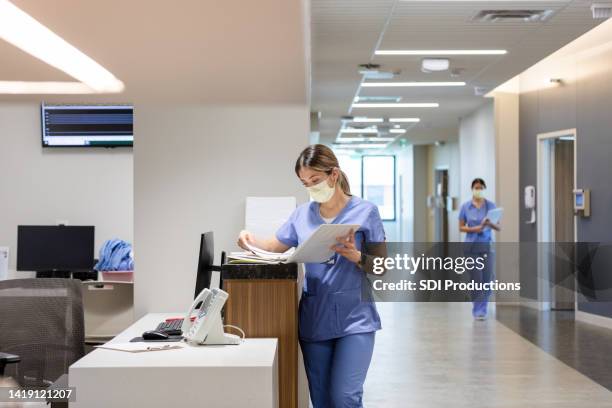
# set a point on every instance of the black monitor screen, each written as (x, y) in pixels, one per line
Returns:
(55, 248)
(205, 262)
(87, 125)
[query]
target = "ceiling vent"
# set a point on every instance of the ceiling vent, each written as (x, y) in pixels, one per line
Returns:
(601, 11)
(481, 90)
(373, 71)
(502, 16)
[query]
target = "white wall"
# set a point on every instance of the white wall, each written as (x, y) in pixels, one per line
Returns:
(44, 186)
(508, 195)
(194, 166)
(477, 150)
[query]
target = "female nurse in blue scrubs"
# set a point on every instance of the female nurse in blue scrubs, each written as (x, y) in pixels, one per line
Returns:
(477, 227)
(336, 326)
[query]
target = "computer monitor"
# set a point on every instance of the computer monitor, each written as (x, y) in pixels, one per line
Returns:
(47, 248)
(205, 263)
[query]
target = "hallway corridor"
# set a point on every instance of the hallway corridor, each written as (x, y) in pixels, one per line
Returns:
(431, 355)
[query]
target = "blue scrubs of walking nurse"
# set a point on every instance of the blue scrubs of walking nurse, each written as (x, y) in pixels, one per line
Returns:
(336, 326)
(478, 237)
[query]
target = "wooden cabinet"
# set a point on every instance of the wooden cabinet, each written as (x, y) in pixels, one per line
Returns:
(263, 301)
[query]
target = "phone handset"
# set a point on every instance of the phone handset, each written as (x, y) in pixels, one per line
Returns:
(208, 325)
(202, 297)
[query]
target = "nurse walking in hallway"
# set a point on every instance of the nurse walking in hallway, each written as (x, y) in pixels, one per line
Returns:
(478, 237)
(336, 326)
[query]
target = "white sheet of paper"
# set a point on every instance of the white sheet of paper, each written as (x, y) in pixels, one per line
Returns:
(264, 215)
(138, 347)
(316, 249)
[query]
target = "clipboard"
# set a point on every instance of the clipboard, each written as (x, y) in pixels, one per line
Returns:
(495, 215)
(316, 249)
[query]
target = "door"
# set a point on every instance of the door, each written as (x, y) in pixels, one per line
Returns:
(562, 265)
(556, 220)
(441, 213)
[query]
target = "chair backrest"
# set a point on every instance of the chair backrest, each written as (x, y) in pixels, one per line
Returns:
(41, 320)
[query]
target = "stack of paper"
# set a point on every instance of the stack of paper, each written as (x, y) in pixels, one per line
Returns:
(258, 255)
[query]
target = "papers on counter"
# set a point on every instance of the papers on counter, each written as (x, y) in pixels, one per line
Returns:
(139, 347)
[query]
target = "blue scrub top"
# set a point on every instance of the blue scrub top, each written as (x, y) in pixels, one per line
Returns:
(331, 305)
(473, 216)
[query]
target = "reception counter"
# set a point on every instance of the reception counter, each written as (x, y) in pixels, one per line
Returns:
(263, 301)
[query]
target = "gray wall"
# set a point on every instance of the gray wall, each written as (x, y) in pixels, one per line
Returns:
(44, 186)
(582, 102)
(194, 165)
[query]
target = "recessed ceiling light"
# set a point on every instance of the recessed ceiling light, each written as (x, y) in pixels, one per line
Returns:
(354, 130)
(24, 32)
(410, 84)
(377, 99)
(403, 120)
(364, 139)
(365, 145)
(397, 131)
(429, 65)
(440, 52)
(396, 105)
(361, 119)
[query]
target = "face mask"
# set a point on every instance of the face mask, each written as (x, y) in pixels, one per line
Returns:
(322, 192)
(478, 193)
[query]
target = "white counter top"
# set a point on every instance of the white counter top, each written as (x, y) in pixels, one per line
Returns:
(219, 376)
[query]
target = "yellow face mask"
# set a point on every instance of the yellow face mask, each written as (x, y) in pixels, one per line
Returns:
(478, 193)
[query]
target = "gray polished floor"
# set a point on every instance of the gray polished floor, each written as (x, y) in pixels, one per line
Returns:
(436, 355)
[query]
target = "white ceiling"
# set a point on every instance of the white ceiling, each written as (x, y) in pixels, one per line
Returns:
(345, 33)
(206, 51)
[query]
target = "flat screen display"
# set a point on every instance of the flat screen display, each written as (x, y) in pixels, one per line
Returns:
(87, 125)
(55, 248)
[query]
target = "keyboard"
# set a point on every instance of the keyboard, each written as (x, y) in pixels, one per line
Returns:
(171, 327)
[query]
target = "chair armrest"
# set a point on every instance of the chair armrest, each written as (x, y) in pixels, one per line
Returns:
(6, 358)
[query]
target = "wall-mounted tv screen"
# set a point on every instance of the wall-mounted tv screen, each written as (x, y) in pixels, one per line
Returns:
(87, 125)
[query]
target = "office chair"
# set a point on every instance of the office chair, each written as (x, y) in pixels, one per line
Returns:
(42, 330)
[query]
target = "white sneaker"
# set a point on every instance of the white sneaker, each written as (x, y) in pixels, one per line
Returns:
(480, 317)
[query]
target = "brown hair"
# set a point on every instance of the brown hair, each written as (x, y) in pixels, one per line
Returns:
(321, 158)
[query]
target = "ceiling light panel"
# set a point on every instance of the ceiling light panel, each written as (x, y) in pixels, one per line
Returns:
(362, 119)
(441, 52)
(364, 139)
(24, 32)
(404, 120)
(397, 105)
(409, 84)
(359, 131)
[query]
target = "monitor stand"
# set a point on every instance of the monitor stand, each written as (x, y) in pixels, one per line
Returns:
(89, 275)
(54, 274)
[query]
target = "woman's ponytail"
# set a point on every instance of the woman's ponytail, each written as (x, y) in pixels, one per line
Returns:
(344, 183)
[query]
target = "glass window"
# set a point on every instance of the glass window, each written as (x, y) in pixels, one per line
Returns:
(378, 184)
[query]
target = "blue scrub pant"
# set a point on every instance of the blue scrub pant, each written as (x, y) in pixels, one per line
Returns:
(337, 368)
(480, 298)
